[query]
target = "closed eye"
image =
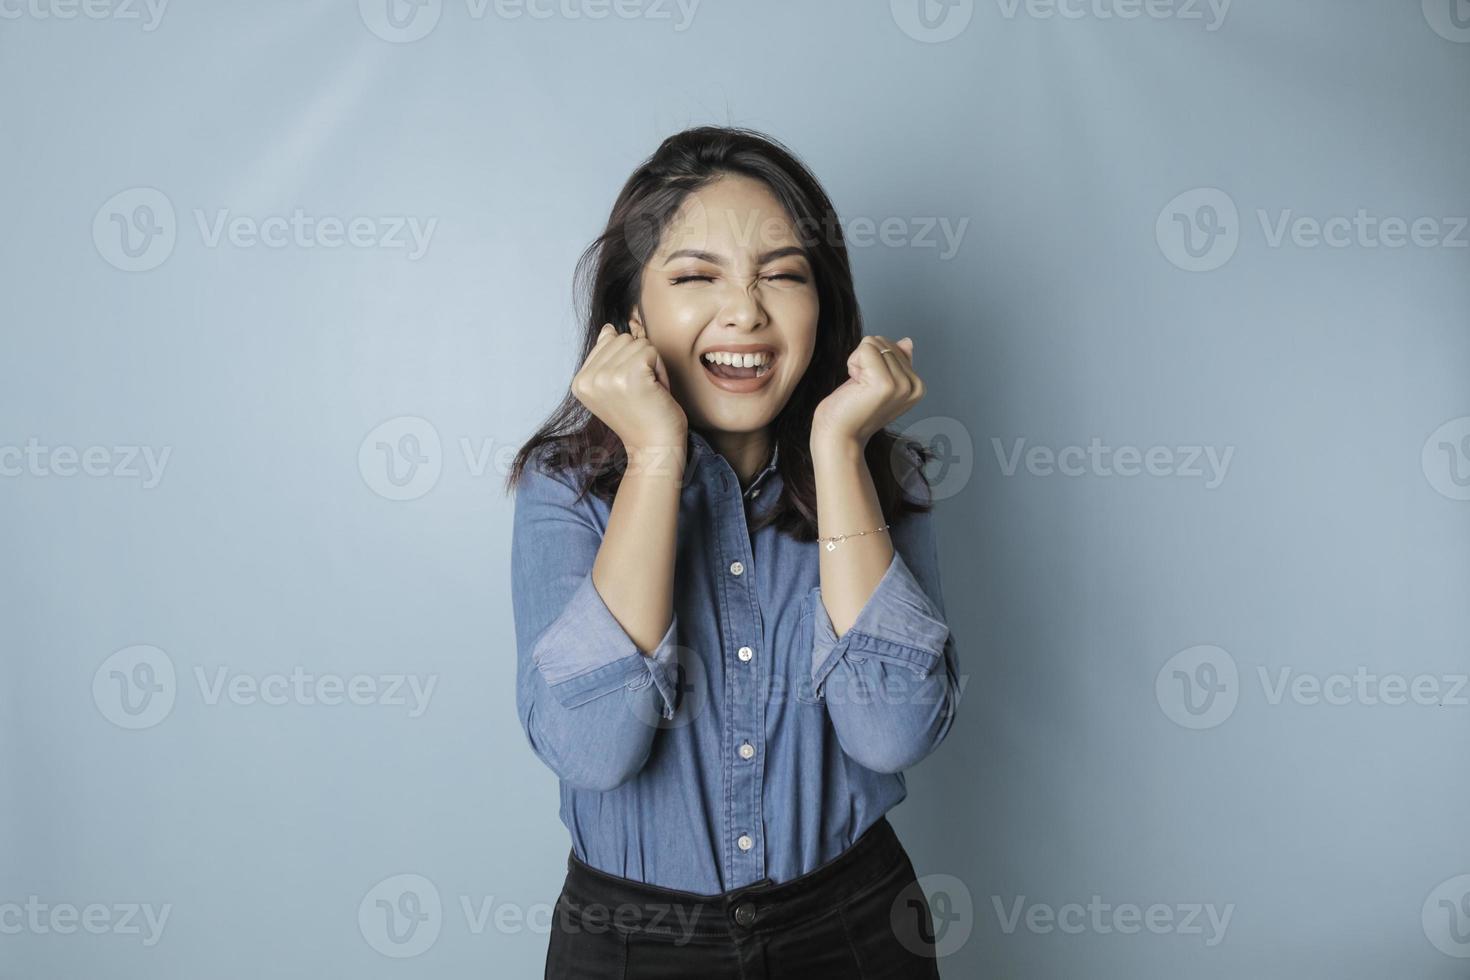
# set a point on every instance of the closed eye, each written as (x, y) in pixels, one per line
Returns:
(682, 279)
(788, 276)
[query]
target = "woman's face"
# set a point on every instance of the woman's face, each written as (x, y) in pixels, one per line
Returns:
(730, 282)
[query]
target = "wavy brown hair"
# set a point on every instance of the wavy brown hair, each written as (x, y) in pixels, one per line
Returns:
(609, 277)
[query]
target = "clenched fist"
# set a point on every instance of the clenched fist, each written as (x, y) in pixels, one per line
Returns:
(624, 383)
(881, 385)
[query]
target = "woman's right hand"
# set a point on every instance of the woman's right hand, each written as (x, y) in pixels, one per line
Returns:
(624, 383)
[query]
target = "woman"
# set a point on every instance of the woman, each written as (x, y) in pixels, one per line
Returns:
(727, 602)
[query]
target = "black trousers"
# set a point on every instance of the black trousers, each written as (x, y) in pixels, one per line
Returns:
(861, 915)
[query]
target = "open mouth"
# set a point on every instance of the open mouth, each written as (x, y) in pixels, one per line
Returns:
(729, 364)
(739, 371)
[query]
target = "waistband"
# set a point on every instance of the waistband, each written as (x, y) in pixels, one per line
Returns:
(593, 898)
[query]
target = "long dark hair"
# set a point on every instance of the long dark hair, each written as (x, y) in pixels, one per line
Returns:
(609, 277)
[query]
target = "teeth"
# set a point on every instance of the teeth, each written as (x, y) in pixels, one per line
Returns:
(761, 359)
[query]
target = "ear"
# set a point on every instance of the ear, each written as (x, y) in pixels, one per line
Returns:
(635, 324)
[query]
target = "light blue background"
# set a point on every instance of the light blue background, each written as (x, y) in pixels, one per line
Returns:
(1335, 542)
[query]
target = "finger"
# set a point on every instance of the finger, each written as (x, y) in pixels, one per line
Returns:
(893, 362)
(900, 352)
(873, 365)
(902, 356)
(906, 348)
(661, 373)
(605, 337)
(626, 350)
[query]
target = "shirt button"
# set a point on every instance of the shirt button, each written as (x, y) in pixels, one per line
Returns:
(736, 568)
(745, 653)
(756, 492)
(746, 750)
(744, 842)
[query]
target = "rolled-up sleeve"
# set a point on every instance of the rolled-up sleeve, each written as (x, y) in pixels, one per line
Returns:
(588, 699)
(891, 681)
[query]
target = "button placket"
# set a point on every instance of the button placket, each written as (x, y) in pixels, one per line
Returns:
(743, 677)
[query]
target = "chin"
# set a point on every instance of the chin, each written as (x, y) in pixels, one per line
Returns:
(737, 422)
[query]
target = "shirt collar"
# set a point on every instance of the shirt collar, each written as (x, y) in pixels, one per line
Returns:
(703, 448)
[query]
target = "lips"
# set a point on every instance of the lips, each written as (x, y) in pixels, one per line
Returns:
(739, 368)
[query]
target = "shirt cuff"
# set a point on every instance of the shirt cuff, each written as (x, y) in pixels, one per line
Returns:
(899, 623)
(585, 653)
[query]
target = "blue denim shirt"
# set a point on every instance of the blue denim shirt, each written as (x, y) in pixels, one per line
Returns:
(753, 743)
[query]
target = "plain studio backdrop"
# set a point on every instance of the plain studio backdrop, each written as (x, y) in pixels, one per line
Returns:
(285, 283)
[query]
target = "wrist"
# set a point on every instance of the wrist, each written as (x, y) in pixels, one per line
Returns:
(837, 449)
(660, 458)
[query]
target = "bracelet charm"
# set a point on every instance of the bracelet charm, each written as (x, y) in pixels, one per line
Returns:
(837, 539)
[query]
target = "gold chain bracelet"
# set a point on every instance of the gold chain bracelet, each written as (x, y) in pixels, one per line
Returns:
(837, 539)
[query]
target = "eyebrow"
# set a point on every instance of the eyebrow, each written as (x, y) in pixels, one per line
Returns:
(713, 259)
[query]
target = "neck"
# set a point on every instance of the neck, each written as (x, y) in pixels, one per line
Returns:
(746, 452)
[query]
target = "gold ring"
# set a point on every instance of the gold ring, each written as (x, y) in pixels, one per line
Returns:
(886, 350)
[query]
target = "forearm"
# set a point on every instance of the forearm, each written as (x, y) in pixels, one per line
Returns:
(882, 660)
(634, 569)
(847, 502)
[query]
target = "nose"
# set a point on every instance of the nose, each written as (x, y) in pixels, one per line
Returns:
(742, 309)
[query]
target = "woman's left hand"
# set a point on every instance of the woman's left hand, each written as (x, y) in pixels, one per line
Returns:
(879, 388)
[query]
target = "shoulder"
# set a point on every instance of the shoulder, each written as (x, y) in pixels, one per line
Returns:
(549, 473)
